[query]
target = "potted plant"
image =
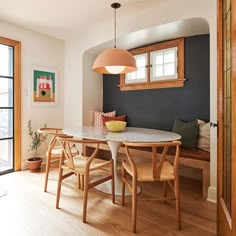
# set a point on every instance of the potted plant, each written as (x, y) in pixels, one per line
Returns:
(34, 162)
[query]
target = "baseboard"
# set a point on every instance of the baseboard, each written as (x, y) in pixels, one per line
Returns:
(212, 194)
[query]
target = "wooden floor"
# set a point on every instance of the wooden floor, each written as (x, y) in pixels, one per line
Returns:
(27, 210)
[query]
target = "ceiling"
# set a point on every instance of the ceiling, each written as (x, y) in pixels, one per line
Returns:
(63, 18)
(60, 18)
(173, 30)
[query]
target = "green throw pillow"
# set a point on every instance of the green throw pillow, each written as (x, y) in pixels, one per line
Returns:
(188, 132)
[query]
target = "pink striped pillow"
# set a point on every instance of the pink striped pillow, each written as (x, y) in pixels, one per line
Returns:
(97, 117)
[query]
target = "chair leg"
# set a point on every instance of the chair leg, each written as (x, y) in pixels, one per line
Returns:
(82, 182)
(123, 186)
(85, 197)
(112, 182)
(59, 187)
(47, 173)
(79, 181)
(134, 204)
(177, 196)
(165, 191)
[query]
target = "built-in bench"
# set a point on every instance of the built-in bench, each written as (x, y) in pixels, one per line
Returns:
(197, 159)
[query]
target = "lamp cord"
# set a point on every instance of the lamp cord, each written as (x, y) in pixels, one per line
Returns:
(115, 29)
(115, 6)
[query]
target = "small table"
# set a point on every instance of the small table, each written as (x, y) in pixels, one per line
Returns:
(115, 139)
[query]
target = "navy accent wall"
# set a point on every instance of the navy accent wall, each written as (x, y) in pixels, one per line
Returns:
(158, 108)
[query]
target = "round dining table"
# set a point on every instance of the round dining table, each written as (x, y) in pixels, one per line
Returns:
(114, 141)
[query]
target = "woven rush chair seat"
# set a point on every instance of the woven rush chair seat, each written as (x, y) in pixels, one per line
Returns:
(144, 171)
(80, 163)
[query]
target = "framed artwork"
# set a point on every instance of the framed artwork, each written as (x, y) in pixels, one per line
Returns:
(44, 86)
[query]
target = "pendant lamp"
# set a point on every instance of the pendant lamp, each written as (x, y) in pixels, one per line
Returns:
(114, 60)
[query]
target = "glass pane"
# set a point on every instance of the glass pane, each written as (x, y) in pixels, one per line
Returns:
(141, 73)
(169, 69)
(6, 60)
(228, 54)
(227, 116)
(228, 83)
(227, 5)
(6, 155)
(227, 168)
(140, 61)
(224, 51)
(228, 26)
(169, 56)
(225, 85)
(130, 76)
(6, 92)
(157, 59)
(6, 123)
(157, 71)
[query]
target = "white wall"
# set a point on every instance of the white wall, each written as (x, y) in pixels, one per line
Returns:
(78, 102)
(44, 51)
(92, 90)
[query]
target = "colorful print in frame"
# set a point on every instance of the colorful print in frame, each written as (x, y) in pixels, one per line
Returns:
(44, 85)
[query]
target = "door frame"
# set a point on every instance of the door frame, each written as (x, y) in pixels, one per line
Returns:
(226, 224)
(17, 99)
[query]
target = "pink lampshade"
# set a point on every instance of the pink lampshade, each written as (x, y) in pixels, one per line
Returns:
(114, 61)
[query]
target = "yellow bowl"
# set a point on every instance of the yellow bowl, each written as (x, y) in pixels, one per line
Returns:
(115, 125)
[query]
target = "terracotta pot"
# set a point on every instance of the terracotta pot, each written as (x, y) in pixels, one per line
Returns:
(34, 163)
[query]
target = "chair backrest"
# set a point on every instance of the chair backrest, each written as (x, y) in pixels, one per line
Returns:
(159, 152)
(66, 144)
(51, 134)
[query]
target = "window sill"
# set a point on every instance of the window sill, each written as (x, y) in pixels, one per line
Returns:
(153, 85)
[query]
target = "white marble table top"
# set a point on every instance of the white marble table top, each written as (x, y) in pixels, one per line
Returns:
(130, 134)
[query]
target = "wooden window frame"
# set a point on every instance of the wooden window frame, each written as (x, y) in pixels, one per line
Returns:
(169, 83)
(17, 99)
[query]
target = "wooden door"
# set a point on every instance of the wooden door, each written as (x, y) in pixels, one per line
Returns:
(226, 197)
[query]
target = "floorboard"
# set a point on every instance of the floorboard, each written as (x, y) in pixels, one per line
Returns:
(27, 210)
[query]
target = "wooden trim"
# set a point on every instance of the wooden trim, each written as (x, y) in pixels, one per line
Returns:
(157, 84)
(233, 167)
(227, 215)
(9, 42)
(17, 106)
(225, 222)
(220, 110)
(17, 99)
(222, 220)
(181, 59)
(158, 46)
(153, 85)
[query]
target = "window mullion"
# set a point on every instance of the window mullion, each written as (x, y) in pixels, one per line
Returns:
(148, 67)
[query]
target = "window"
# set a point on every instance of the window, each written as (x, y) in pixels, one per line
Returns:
(164, 64)
(141, 74)
(10, 105)
(159, 66)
